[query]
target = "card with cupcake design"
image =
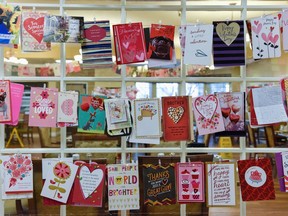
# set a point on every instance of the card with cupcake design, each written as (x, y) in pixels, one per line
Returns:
(190, 182)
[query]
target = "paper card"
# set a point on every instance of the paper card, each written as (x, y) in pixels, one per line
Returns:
(10, 25)
(266, 37)
(147, 115)
(182, 38)
(5, 101)
(285, 169)
(67, 107)
(198, 45)
(43, 107)
(266, 100)
(229, 43)
(59, 180)
(32, 32)
(280, 169)
(123, 186)
(91, 114)
(190, 182)
(221, 184)
(285, 28)
(88, 185)
(177, 118)
(159, 184)
(207, 114)
(47, 164)
(256, 181)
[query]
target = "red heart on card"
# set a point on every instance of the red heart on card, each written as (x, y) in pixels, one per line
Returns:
(85, 107)
(256, 22)
(95, 33)
(164, 181)
(234, 118)
(59, 196)
(35, 27)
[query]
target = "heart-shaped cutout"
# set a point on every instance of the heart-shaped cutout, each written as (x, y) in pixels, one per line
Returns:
(89, 180)
(35, 27)
(175, 113)
(228, 33)
(206, 106)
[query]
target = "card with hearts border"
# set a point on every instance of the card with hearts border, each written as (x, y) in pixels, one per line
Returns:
(88, 186)
(177, 118)
(207, 114)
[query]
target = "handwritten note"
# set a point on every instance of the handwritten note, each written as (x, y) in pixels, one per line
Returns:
(220, 184)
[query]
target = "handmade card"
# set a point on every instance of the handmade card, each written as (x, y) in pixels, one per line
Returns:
(232, 106)
(129, 43)
(123, 186)
(32, 32)
(59, 180)
(88, 186)
(207, 113)
(285, 28)
(177, 118)
(96, 47)
(67, 107)
(190, 182)
(147, 115)
(91, 114)
(229, 43)
(5, 101)
(43, 107)
(266, 37)
(198, 45)
(256, 181)
(221, 184)
(10, 24)
(159, 184)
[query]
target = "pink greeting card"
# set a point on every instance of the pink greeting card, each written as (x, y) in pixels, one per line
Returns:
(67, 107)
(207, 114)
(43, 107)
(5, 101)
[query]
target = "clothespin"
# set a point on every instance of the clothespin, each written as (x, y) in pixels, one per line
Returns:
(89, 155)
(197, 22)
(160, 24)
(159, 162)
(34, 9)
(44, 86)
(227, 20)
(94, 20)
(256, 157)
(189, 161)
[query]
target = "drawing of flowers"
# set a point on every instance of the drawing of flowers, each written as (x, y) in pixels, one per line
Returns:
(256, 29)
(273, 40)
(210, 124)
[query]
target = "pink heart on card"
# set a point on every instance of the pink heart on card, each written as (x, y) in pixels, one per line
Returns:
(35, 27)
(257, 29)
(126, 45)
(140, 57)
(95, 33)
(256, 22)
(206, 107)
(67, 107)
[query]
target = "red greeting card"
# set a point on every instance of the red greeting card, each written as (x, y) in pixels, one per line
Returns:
(129, 43)
(5, 101)
(256, 180)
(88, 184)
(177, 118)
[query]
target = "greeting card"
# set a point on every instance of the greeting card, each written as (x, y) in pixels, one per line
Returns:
(281, 159)
(285, 28)
(147, 115)
(88, 186)
(256, 181)
(198, 44)
(177, 118)
(285, 169)
(96, 47)
(10, 24)
(232, 106)
(221, 184)
(190, 182)
(91, 114)
(207, 114)
(229, 43)
(266, 37)
(67, 107)
(32, 32)
(129, 43)
(159, 184)
(59, 180)
(5, 101)
(182, 38)
(123, 186)
(43, 107)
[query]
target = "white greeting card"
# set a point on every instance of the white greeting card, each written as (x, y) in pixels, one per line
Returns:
(67, 106)
(198, 44)
(47, 164)
(285, 29)
(285, 169)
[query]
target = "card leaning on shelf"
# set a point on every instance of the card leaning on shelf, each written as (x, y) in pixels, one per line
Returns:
(5, 101)
(129, 43)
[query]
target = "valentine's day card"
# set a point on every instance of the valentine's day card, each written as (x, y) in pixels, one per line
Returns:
(123, 186)
(177, 118)
(256, 181)
(266, 37)
(59, 180)
(91, 114)
(221, 184)
(67, 107)
(43, 107)
(190, 182)
(229, 43)
(207, 114)
(281, 159)
(182, 38)
(285, 28)
(285, 169)
(129, 43)
(5, 101)
(88, 186)
(147, 115)
(198, 45)
(32, 32)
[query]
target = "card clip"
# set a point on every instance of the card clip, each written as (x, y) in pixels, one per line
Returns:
(94, 19)
(160, 24)
(33, 9)
(227, 20)
(256, 157)
(159, 162)
(189, 161)
(44, 86)
(89, 155)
